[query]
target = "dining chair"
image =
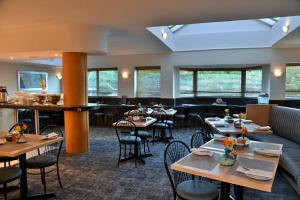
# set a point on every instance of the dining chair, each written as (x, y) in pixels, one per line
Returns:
(160, 125)
(8, 174)
(47, 156)
(123, 128)
(198, 139)
(184, 185)
(143, 134)
(6, 160)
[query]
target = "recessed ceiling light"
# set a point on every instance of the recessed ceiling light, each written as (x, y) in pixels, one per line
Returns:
(164, 35)
(285, 28)
(11, 58)
(56, 55)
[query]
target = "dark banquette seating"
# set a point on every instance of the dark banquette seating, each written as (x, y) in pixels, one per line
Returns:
(285, 123)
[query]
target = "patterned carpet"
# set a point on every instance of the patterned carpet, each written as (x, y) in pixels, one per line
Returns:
(95, 175)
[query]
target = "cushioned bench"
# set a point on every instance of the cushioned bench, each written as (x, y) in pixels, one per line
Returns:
(285, 123)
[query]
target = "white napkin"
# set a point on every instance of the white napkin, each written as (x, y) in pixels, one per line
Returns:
(201, 152)
(51, 136)
(255, 172)
(212, 119)
(219, 124)
(270, 152)
(264, 128)
(247, 121)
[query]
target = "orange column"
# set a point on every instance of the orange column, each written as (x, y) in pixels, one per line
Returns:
(75, 94)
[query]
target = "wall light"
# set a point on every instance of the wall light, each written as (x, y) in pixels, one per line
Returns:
(58, 76)
(277, 73)
(11, 58)
(125, 75)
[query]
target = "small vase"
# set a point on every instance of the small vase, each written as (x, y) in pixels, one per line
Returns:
(227, 160)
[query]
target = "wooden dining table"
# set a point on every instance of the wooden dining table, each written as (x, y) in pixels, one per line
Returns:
(33, 142)
(225, 128)
(209, 167)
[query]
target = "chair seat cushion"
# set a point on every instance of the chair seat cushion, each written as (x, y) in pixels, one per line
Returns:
(160, 125)
(197, 190)
(130, 139)
(8, 174)
(141, 133)
(170, 122)
(41, 161)
(8, 159)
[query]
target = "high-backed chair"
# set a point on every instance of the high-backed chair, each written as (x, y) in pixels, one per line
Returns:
(47, 156)
(123, 130)
(259, 113)
(161, 125)
(184, 186)
(143, 134)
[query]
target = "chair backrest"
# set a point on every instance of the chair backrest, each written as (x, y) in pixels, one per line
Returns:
(53, 149)
(124, 128)
(173, 152)
(13, 128)
(160, 115)
(198, 139)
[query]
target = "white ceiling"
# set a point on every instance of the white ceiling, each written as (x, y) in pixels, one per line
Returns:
(127, 20)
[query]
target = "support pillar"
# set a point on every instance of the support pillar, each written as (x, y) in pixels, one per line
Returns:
(75, 93)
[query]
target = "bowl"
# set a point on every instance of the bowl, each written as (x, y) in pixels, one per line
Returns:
(53, 98)
(40, 98)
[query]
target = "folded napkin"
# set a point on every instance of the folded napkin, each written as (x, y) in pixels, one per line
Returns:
(247, 121)
(212, 119)
(264, 128)
(50, 136)
(255, 172)
(219, 124)
(201, 152)
(268, 152)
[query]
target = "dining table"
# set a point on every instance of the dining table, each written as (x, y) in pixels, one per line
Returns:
(208, 166)
(20, 150)
(140, 124)
(223, 127)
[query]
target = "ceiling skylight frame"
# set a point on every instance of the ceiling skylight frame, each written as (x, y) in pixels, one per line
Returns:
(175, 28)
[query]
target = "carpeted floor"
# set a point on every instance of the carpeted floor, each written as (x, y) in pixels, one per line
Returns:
(95, 175)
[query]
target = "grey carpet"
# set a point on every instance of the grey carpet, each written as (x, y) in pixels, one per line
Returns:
(95, 175)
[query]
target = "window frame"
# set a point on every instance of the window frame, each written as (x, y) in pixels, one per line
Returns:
(285, 90)
(140, 68)
(97, 70)
(243, 71)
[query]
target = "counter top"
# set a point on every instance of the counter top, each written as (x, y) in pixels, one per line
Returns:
(52, 107)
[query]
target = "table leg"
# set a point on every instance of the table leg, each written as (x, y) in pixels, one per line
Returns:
(16, 120)
(239, 192)
(225, 191)
(36, 122)
(23, 181)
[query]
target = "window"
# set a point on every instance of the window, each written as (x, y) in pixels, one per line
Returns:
(186, 83)
(219, 83)
(253, 82)
(148, 82)
(292, 81)
(245, 82)
(103, 82)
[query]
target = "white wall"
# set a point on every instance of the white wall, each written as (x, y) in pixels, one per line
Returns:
(8, 77)
(271, 58)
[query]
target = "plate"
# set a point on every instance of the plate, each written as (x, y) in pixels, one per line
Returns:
(21, 141)
(261, 178)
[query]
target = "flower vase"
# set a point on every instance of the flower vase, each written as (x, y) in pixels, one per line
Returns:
(227, 160)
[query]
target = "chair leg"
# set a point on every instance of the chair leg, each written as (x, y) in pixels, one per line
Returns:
(44, 180)
(120, 152)
(58, 176)
(148, 145)
(5, 191)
